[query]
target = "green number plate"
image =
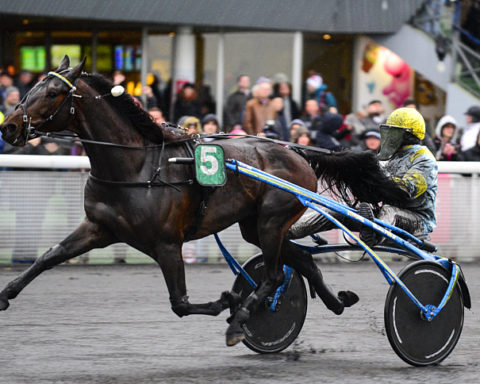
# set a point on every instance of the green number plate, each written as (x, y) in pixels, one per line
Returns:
(210, 165)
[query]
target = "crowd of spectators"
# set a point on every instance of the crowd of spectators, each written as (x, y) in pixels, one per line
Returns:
(266, 109)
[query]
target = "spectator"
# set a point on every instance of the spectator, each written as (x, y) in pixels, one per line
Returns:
(374, 116)
(118, 78)
(151, 100)
(325, 127)
(297, 127)
(210, 124)
(237, 132)
(42, 76)
(318, 90)
(235, 105)
(270, 130)
(259, 109)
(355, 128)
(5, 81)
(470, 133)
(280, 122)
(290, 107)
(191, 124)
(24, 82)
(136, 100)
(187, 103)
(154, 82)
(445, 140)
(472, 154)
(370, 141)
(156, 115)
(12, 98)
(206, 100)
(311, 112)
(304, 138)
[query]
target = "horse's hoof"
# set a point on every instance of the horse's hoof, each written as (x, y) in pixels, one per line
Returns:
(234, 338)
(348, 298)
(234, 333)
(4, 304)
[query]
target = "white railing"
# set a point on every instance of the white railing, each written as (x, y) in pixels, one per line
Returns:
(82, 162)
(40, 208)
(44, 162)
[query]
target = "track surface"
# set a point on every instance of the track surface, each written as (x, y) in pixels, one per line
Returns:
(113, 324)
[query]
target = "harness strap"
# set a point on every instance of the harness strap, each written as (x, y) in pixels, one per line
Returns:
(147, 184)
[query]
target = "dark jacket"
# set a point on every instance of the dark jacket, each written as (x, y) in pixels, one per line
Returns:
(186, 108)
(472, 154)
(235, 109)
(325, 126)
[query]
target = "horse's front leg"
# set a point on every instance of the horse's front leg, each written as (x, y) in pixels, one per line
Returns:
(169, 258)
(86, 237)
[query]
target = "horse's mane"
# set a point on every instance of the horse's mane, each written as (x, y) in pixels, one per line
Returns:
(126, 109)
(359, 174)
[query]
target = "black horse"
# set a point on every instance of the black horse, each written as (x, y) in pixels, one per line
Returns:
(135, 196)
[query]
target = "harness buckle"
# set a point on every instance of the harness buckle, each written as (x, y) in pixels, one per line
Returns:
(72, 110)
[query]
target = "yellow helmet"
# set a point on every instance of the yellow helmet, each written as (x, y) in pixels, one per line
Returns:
(394, 133)
(408, 118)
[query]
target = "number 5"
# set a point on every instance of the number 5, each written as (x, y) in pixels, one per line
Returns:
(206, 157)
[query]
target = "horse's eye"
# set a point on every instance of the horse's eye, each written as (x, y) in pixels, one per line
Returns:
(51, 95)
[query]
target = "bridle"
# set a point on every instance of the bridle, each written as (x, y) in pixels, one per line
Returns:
(31, 131)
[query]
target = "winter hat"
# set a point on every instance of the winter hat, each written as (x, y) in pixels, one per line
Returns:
(297, 122)
(315, 81)
(11, 89)
(192, 120)
(209, 117)
(371, 133)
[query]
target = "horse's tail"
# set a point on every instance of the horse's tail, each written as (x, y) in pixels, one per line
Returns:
(356, 176)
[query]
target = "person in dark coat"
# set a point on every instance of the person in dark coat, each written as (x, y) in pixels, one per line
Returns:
(187, 103)
(290, 107)
(325, 126)
(472, 154)
(235, 105)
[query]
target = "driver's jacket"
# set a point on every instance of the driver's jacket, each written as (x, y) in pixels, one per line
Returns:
(415, 169)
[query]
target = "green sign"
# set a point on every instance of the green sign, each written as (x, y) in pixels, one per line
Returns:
(210, 165)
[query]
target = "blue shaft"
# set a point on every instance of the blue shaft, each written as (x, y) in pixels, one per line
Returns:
(309, 199)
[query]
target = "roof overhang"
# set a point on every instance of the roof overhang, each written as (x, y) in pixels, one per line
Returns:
(322, 16)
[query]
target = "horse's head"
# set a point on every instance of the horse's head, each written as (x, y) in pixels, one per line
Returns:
(47, 107)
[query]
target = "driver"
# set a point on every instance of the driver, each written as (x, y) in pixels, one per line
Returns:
(411, 165)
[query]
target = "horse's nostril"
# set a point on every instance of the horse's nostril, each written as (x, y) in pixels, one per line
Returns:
(9, 128)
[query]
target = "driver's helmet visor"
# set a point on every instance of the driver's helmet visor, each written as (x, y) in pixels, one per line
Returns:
(391, 140)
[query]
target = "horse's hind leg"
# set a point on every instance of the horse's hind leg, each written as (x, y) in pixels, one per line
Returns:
(86, 237)
(273, 231)
(302, 262)
(169, 258)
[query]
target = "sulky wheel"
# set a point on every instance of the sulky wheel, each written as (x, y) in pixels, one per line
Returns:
(414, 339)
(270, 331)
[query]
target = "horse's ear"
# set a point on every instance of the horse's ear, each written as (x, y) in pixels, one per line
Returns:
(76, 71)
(65, 63)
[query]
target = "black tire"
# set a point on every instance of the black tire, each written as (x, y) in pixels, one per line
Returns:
(414, 339)
(267, 331)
